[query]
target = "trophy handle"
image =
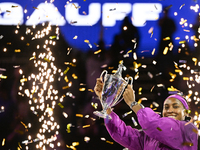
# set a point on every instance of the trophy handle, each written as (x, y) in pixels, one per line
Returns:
(130, 78)
(106, 72)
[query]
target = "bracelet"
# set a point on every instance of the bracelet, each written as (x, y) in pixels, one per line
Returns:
(135, 103)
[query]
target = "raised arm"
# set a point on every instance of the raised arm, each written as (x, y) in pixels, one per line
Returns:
(124, 135)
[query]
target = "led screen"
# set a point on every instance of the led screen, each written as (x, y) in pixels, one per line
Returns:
(83, 23)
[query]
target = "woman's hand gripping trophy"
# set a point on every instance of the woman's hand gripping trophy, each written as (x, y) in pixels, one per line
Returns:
(98, 91)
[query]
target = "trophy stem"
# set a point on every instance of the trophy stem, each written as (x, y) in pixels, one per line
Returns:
(102, 114)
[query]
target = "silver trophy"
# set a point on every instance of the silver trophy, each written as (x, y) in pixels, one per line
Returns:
(113, 88)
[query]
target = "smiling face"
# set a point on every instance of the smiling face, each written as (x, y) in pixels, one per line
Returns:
(173, 108)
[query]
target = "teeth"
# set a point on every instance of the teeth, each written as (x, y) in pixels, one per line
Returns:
(172, 117)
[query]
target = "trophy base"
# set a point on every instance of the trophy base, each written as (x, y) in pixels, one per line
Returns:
(102, 115)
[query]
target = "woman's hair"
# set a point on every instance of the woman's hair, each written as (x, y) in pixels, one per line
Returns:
(183, 96)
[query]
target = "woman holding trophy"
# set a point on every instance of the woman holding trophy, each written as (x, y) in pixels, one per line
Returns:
(158, 133)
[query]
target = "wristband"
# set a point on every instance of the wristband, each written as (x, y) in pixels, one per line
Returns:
(135, 103)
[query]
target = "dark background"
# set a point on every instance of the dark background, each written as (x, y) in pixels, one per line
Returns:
(87, 68)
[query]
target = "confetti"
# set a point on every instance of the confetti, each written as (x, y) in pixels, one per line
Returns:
(3, 77)
(182, 61)
(152, 53)
(183, 21)
(166, 38)
(86, 126)
(73, 22)
(160, 85)
(136, 65)
(195, 38)
(171, 46)
(65, 115)
(104, 66)
(69, 127)
(17, 50)
(195, 60)
(88, 42)
(2, 69)
(20, 147)
(52, 37)
(150, 74)
(97, 52)
(195, 131)
(186, 30)
(75, 143)
(3, 142)
(126, 114)
(136, 76)
(151, 31)
(84, 13)
(134, 122)
(168, 7)
(155, 104)
(23, 124)
(66, 70)
(152, 88)
(32, 58)
(66, 79)
(61, 106)
(76, 6)
(25, 142)
(75, 37)
(182, 6)
(187, 144)
(81, 89)
(140, 90)
(46, 59)
(2, 109)
(129, 51)
(103, 139)
(173, 76)
(74, 76)
(159, 129)
(109, 142)
(69, 50)
(86, 139)
(91, 90)
(79, 115)
(113, 9)
(72, 147)
(185, 78)
(95, 105)
(23, 80)
(172, 89)
(96, 44)
(142, 99)
(87, 116)
(35, 8)
(165, 50)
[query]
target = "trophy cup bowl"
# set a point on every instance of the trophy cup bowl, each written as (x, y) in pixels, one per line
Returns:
(113, 88)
